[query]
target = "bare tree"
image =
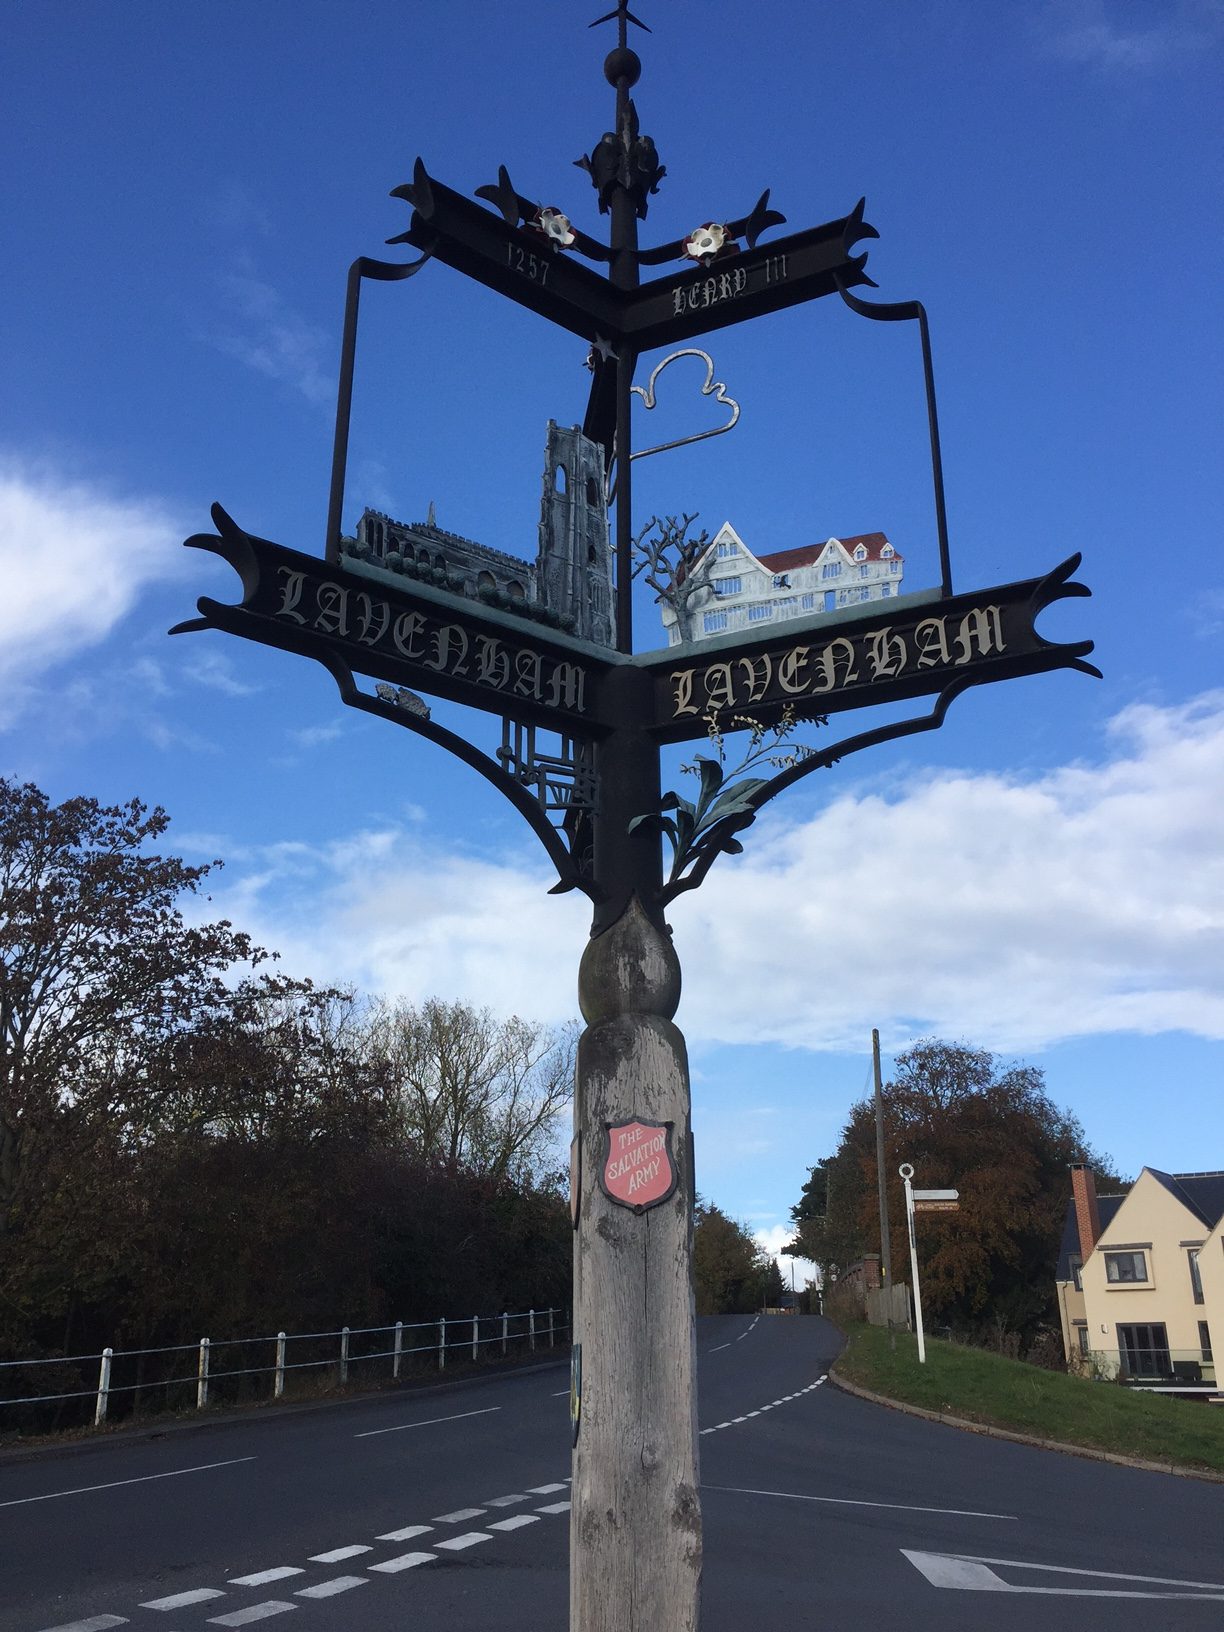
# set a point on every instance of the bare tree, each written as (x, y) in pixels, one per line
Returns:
(666, 556)
(478, 1092)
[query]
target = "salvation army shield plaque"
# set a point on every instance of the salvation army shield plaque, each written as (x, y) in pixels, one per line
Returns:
(638, 1166)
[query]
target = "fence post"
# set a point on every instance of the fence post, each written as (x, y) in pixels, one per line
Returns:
(550, 1326)
(505, 1331)
(442, 1344)
(104, 1371)
(344, 1337)
(475, 1337)
(202, 1376)
(278, 1387)
(399, 1348)
(531, 1330)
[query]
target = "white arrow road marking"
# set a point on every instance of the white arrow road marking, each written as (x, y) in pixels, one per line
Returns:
(966, 1573)
(847, 1501)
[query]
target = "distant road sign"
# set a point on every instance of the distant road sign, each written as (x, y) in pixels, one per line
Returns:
(936, 1195)
(936, 1206)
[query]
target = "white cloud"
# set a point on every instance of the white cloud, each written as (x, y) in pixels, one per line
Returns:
(772, 1241)
(74, 558)
(1100, 35)
(1011, 913)
(213, 669)
(266, 335)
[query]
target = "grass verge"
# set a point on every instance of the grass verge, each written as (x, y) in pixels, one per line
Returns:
(988, 1388)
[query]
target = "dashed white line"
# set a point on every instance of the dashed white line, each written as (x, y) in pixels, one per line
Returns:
(554, 1507)
(516, 1523)
(458, 1543)
(329, 1589)
(405, 1561)
(180, 1600)
(545, 1490)
(505, 1501)
(96, 1623)
(372, 1433)
(459, 1515)
(83, 1490)
(256, 1612)
(339, 1553)
(714, 1350)
(262, 1577)
(407, 1533)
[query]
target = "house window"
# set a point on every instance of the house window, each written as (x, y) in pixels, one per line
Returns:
(788, 605)
(860, 554)
(894, 566)
(1081, 1333)
(1196, 1277)
(714, 621)
(1205, 1339)
(885, 591)
(887, 552)
(808, 602)
(1144, 1351)
(727, 586)
(1126, 1268)
(831, 569)
(758, 613)
(863, 571)
(725, 549)
(1077, 1265)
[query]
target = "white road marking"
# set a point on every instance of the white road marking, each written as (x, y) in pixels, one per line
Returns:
(725, 1345)
(561, 1393)
(338, 1553)
(458, 1543)
(329, 1589)
(372, 1433)
(459, 1515)
(554, 1507)
(83, 1490)
(846, 1501)
(407, 1533)
(405, 1561)
(257, 1612)
(504, 1501)
(262, 1577)
(180, 1600)
(96, 1623)
(545, 1490)
(963, 1572)
(516, 1523)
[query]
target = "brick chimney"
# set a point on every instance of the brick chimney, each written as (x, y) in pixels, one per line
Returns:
(1087, 1217)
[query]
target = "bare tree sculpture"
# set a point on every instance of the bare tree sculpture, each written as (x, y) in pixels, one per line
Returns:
(665, 554)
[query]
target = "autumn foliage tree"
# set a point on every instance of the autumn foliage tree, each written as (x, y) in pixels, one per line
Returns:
(969, 1122)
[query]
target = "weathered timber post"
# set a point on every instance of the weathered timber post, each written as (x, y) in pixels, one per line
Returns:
(635, 1535)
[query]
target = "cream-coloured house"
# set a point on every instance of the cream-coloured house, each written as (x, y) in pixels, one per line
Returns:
(1141, 1290)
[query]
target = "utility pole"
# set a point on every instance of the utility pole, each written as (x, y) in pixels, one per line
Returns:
(881, 1180)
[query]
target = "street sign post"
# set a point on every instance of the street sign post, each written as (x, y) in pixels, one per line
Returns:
(583, 726)
(922, 1201)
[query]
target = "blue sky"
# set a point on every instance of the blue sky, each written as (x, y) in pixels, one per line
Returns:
(185, 191)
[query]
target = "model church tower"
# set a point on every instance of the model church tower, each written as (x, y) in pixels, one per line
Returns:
(574, 564)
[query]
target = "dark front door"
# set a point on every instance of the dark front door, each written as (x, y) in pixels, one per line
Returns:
(1144, 1351)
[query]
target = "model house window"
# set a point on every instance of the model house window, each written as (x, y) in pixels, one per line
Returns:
(724, 550)
(860, 554)
(1077, 1265)
(894, 566)
(727, 586)
(1125, 1268)
(863, 571)
(885, 590)
(831, 569)
(1205, 1339)
(757, 614)
(887, 551)
(714, 621)
(1196, 1277)
(808, 602)
(788, 605)
(1144, 1351)
(1081, 1332)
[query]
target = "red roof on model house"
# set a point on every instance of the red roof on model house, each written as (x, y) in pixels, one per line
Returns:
(784, 560)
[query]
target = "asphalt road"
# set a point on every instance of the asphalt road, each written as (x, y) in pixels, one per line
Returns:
(446, 1511)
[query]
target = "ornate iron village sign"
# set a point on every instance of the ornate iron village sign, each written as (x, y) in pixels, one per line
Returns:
(583, 725)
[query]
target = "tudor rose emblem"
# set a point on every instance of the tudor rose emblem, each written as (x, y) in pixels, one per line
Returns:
(638, 1169)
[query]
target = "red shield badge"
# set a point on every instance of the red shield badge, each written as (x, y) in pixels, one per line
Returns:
(638, 1169)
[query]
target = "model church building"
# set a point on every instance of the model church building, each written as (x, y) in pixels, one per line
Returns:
(729, 589)
(569, 585)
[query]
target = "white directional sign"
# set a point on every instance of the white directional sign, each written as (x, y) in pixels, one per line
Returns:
(963, 1572)
(936, 1195)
